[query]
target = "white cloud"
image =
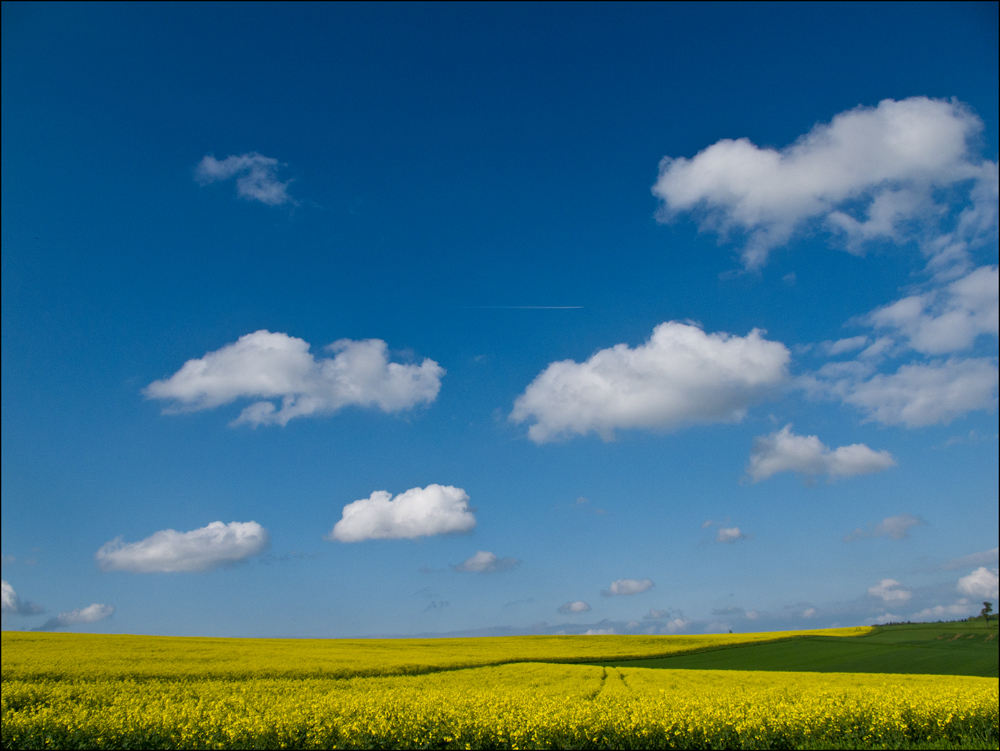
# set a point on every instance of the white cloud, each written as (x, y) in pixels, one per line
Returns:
(980, 583)
(809, 613)
(916, 395)
(889, 160)
(90, 614)
(986, 557)
(674, 625)
(201, 549)
(841, 346)
(419, 512)
(574, 607)
(730, 535)
(890, 591)
(752, 615)
(257, 177)
(680, 376)
(265, 365)
(599, 632)
(628, 587)
(884, 618)
(654, 615)
(926, 394)
(878, 349)
(784, 451)
(484, 562)
(960, 609)
(946, 319)
(893, 527)
(14, 605)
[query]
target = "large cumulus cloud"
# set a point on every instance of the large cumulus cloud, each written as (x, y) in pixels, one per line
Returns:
(419, 512)
(274, 366)
(168, 550)
(871, 173)
(682, 375)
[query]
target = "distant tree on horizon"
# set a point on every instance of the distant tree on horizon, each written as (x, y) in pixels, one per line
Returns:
(985, 612)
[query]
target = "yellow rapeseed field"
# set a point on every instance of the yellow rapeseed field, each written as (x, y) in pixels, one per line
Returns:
(45, 655)
(520, 705)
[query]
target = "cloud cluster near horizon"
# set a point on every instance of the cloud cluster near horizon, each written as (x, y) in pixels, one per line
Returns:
(889, 160)
(12, 604)
(265, 366)
(169, 551)
(418, 512)
(784, 451)
(681, 376)
(256, 177)
(90, 614)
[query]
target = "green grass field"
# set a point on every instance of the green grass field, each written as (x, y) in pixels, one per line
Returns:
(928, 648)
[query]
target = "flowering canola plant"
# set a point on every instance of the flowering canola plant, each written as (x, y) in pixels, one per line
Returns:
(62, 656)
(518, 705)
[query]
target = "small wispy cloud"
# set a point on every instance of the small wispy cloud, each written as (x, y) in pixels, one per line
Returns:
(574, 607)
(256, 177)
(583, 504)
(730, 535)
(890, 591)
(884, 618)
(985, 558)
(893, 527)
(484, 562)
(841, 346)
(515, 603)
(627, 587)
(11, 560)
(937, 612)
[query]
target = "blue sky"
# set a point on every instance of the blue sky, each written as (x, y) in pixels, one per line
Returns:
(645, 318)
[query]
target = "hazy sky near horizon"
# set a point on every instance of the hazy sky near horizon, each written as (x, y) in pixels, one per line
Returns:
(328, 320)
